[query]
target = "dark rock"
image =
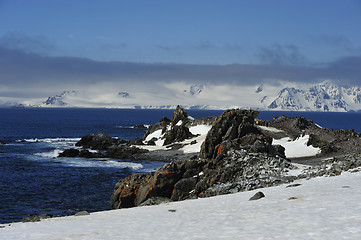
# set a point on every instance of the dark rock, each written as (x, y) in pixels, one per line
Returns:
(155, 201)
(152, 142)
(135, 189)
(177, 134)
(81, 213)
(294, 185)
(123, 152)
(230, 125)
(257, 196)
(70, 153)
(97, 141)
(184, 189)
(179, 115)
(36, 218)
(135, 142)
(87, 154)
(2, 143)
(140, 127)
(164, 119)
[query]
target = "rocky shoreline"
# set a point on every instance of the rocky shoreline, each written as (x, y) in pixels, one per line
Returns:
(237, 154)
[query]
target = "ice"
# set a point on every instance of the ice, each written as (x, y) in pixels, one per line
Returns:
(320, 208)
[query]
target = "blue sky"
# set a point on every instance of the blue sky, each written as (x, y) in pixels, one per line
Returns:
(47, 46)
(186, 31)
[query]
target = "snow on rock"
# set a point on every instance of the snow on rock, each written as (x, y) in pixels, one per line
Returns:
(298, 147)
(156, 134)
(202, 130)
(319, 208)
(270, 129)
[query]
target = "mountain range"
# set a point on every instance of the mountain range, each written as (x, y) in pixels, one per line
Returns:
(324, 96)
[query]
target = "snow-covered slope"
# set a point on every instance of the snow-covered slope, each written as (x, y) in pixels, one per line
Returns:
(325, 96)
(320, 208)
(59, 100)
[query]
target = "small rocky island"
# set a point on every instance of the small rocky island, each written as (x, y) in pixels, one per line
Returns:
(236, 154)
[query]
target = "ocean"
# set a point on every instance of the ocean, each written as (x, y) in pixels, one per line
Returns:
(34, 181)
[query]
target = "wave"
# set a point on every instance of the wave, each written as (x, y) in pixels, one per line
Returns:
(134, 127)
(48, 140)
(101, 163)
(52, 154)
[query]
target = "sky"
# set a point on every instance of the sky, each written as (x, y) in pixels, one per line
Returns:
(46, 42)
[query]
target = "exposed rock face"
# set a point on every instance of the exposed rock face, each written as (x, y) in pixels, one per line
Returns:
(174, 130)
(329, 140)
(97, 141)
(107, 147)
(230, 125)
(235, 156)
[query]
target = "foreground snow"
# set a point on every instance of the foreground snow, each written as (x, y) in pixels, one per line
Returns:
(321, 208)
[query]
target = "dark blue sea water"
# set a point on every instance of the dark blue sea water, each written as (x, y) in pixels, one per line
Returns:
(34, 181)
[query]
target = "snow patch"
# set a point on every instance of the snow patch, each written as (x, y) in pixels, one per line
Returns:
(298, 147)
(270, 129)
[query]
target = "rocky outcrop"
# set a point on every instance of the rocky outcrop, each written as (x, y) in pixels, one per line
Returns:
(174, 130)
(232, 124)
(105, 146)
(330, 141)
(235, 156)
(97, 141)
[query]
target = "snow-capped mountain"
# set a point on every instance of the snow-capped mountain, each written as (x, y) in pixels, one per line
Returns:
(284, 96)
(194, 90)
(123, 94)
(58, 100)
(325, 96)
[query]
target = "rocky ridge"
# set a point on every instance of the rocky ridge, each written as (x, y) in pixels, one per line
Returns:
(173, 132)
(230, 160)
(331, 141)
(235, 156)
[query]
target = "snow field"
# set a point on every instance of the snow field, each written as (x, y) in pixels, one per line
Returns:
(298, 147)
(321, 208)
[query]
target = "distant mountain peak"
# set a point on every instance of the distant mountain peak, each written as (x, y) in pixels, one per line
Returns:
(57, 100)
(325, 96)
(194, 89)
(123, 94)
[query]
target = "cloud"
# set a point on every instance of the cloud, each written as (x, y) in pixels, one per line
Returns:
(22, 72)
(20, 41)
(282, 55)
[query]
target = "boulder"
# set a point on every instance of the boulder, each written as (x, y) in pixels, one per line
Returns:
(97, 141)
(257, 196)
(137, 188)
(177, 134)
(69, 153)
(2, 143)
(123, 152)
